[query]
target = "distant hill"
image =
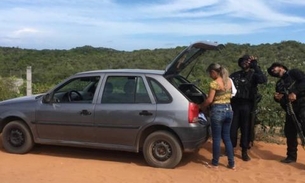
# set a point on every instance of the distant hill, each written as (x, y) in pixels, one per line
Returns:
(51, 66)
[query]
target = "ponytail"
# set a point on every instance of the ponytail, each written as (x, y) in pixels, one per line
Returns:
(223, 72)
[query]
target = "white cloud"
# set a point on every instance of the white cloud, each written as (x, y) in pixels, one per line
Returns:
(76, 22)
(295, 2)
(24, 31)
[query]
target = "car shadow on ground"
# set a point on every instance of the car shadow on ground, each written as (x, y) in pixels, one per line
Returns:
(86, 153)
(102, 154)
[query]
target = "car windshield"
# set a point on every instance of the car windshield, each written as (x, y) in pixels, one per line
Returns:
(185, 58)
(185, 62)
(187, 72)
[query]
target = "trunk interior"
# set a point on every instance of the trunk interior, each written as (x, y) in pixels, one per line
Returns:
(192, 92)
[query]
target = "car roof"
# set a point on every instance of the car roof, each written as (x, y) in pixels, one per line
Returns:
(127, 71)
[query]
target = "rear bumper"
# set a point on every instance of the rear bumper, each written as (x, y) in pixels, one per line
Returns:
(193, 137)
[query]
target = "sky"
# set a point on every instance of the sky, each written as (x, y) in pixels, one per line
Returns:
(129, 25)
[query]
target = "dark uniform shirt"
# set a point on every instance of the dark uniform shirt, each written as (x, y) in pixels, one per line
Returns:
(293, 81)
(246, 83)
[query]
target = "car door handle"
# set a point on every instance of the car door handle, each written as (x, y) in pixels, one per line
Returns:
(85, 112)
(145, 113)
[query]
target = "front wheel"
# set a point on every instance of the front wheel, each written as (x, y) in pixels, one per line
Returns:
(162, 149)
(16, 138)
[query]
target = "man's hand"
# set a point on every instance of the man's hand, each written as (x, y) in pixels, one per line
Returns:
(292, 97)
(278, 96)
(253, 58)
(253, 61)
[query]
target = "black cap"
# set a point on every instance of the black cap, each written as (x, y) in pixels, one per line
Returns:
(241, 59)
(275, 64)
(246, 57)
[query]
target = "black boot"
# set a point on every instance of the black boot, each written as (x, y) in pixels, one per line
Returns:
(292, 144)
(288, 160)
(244, 155)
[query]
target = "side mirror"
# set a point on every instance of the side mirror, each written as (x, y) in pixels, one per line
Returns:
(46, 98)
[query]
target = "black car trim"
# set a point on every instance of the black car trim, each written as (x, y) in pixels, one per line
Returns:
(86, 125)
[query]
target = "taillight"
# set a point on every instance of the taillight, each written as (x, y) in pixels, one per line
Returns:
(193, 112)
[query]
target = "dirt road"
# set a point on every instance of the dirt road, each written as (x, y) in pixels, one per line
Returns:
(53, 164)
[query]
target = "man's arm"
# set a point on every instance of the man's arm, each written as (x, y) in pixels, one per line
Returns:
(259, 76)
(299, 77)
(279, 92)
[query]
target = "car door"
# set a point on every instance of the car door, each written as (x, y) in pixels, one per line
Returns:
(126, 106)
(69, 118)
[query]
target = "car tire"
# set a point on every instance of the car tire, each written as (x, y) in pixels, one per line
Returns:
(162, 149)
(17, 138)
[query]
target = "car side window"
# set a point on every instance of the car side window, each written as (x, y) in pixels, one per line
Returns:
(77, 90)
(125, 89)
(160, 93)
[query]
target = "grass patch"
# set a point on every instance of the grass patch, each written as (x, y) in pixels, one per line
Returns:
(270, 134)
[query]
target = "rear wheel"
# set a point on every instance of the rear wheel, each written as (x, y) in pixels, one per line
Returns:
(16, 138)
(162, 149)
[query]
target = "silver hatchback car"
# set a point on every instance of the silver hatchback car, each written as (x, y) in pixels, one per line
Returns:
(150, 111)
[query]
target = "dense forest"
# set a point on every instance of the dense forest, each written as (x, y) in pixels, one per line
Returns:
(49, 67)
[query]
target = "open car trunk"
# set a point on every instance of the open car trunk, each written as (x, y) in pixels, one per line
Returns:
(186, 61)
(192, 92)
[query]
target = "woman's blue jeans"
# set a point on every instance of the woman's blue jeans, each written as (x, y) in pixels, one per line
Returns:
(221, 118)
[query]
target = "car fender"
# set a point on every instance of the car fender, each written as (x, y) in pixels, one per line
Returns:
(147, 129)
(12, 115)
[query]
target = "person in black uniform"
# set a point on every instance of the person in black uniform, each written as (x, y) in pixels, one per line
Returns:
(292, 81)
(246, 81)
